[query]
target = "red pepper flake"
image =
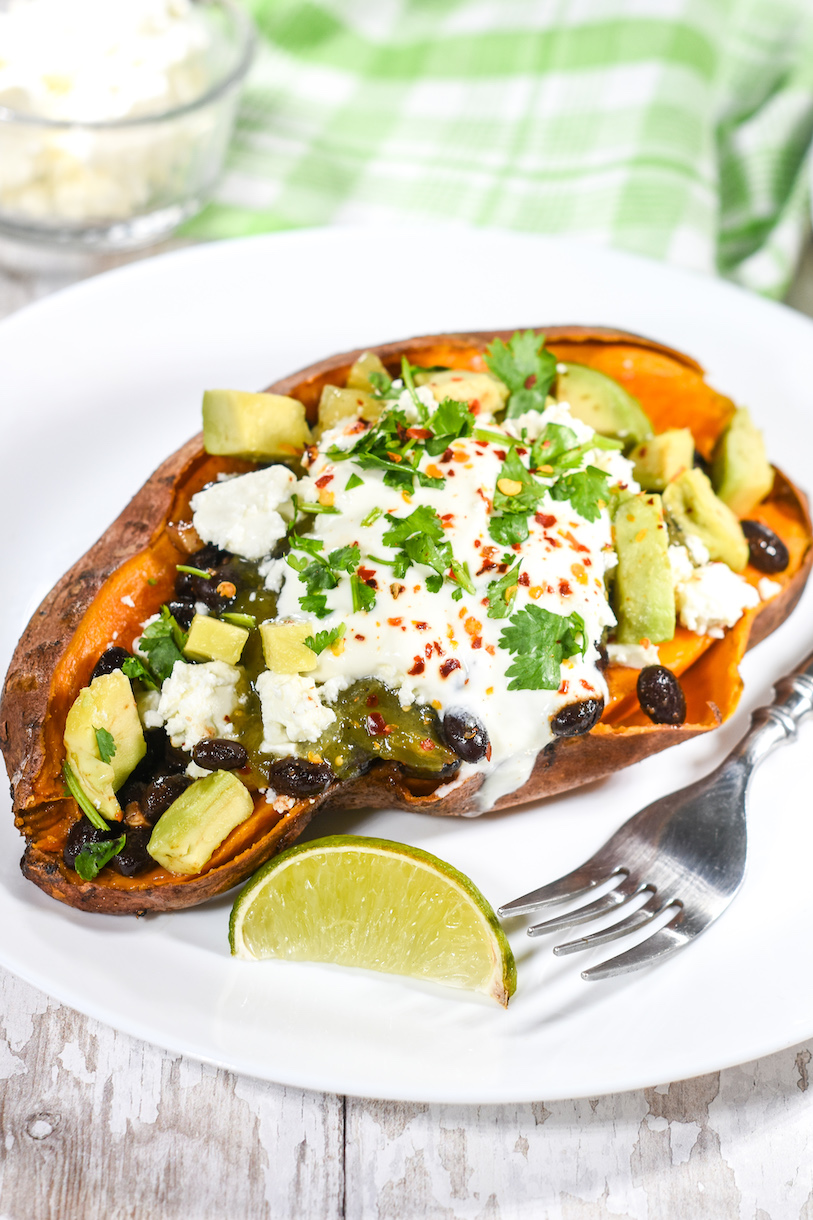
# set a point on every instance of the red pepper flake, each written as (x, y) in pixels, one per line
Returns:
(427, 744)
(481, 444)
(577, 546)
(358, 426)
(372, 700)
(484, 498)
(516, 546)
(360, 637)
(447, 517)
(323, 480)
(447, 456)
(551, 541)
(588, 563)
(477, 642)
(521, 451)
(451, 474)
(500, 454)
(487, 567)
(530, 381)
(586, 684)
(419, 626)
(490, 649)
(524, 579)
(418, 667)
(474, 405)
(449, 666)
(546, 520)
(394, 622)
(477, 542)
(420, 434)
(564, 588)
(563, 686)
(377, 725)
(427, 651)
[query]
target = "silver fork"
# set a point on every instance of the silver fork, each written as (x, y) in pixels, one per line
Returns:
(686, 851)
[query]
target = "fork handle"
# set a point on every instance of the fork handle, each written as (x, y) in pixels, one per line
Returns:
(778, 722)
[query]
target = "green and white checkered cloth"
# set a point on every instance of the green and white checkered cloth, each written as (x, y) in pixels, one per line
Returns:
(679, 129)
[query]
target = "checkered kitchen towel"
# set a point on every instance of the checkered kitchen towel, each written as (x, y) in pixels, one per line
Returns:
(680, 129)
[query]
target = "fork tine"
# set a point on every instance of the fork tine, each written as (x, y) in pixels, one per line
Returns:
(632, 922)
(666, 941)
(612, 901)
(583, 879)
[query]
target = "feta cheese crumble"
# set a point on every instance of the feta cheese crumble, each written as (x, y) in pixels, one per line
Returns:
(241, 515)
(713, 598)
(292, 711)
(196, 701)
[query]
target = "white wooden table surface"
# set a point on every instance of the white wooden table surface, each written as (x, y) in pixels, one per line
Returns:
(97, 1124)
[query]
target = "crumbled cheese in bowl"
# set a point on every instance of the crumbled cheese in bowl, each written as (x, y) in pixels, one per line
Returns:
(80, 75)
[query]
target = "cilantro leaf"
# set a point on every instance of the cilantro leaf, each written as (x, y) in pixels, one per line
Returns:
(105, 743)
(134, 667)
(451, 421)
(423, 520)
(587, 491)
(344, 559)
(163, 642)
(554, 441)
(508, 530)
(530, 493)
(353, 481)
(541, 641)
(315, 603)
(434, 583)
(502, 593)
(363, 595)
(382, 384)
(526, 366)
(92, 858)
(324, 639)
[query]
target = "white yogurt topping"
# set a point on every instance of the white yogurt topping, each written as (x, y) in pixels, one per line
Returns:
(445, 652)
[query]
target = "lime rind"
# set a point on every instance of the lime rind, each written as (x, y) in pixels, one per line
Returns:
(396, 930)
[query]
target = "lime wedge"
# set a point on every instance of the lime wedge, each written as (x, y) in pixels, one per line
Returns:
(366, 902)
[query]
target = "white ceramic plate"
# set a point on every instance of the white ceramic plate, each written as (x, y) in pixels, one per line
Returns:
(99, 383)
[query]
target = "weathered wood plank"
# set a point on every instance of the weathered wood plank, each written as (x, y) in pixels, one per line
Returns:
(95, 1123)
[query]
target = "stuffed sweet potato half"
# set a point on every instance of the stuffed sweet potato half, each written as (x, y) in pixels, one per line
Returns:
(497, 569)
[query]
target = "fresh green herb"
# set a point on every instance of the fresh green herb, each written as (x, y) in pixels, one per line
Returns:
(502, 593)
(450, 422)
(163, 641)
(587, 490)
(315, 603)
(434, 583)
(526, 499)
(421, 539)
(363, 595)
(204, 575)
(508, 531)
(541, 641)
(106, 744)
(457, 594)
(382, 385)
(496, 438)
(75, 789)
(92, 858)
(248, 621)
(372, 516)
(422, 520)
(322, 572)
(324, 639)
(316, 508)
(134, 667)
(526, 366)
(353, 481)
(409, 382)
(388, 446)
(552, 444)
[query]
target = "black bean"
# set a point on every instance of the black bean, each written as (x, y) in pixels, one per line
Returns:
(464, 734)
(184, 611)
(766, 549)
(661, 695)
(110, 660)
(81, 835)
(603, 658)
(576, 718)
(220, 754)
(209, 556)
(132, 792)
(160, 794)
(134, 857)
(298, 776)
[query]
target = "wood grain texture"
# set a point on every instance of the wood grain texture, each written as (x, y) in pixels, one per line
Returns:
(96, 1124)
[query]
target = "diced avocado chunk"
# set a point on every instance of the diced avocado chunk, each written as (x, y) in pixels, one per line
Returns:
(692, 508)
(359, 376)
(108, 705)
(284, 650)
(601, 402)
(336, 405)
(643, 594)
(741, 473)
(662, 458)
(488, 392)
(195, 825)
(255, 426)
(212, 640)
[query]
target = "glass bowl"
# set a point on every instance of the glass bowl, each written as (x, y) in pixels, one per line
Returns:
(128, 182)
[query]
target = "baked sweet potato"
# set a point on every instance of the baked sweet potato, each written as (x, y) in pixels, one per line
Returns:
(130, 572)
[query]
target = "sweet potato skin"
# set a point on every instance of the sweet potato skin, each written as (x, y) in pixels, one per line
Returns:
(59, 647)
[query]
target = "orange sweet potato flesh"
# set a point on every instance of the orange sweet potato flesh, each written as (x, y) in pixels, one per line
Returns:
(74, 624)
